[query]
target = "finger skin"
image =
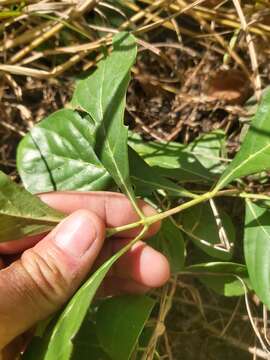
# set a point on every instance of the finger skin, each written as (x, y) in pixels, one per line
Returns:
(47, 275)
(116, 210)
(113, 208)
(18, 246)
(142, 264)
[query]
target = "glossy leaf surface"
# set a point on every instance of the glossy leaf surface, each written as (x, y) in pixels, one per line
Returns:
(57, 154)
(60, 345)
(200, 161)
(103, 95)
(223, 278)
(21, 213)
(120, 321)
(147, 179)
(170, 242)
(257, 249)
(254, 153)
(86, 342)
(207, 231)
(59, 340)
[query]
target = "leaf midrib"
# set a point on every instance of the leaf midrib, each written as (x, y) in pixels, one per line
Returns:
(64, 157)
(180, 168)
(158, 185)
(122, 180)
(250, 157)
(83, 162)
(19, 215)
(31, 218)
(257, 220)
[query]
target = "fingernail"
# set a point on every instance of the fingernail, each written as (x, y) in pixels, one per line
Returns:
(76, 234)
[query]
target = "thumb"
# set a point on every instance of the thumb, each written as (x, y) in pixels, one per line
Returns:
(45, 277)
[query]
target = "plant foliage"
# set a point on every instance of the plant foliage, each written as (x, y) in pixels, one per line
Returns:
(88, 147)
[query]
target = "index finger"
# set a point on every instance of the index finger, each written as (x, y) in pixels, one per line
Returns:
(114, 208)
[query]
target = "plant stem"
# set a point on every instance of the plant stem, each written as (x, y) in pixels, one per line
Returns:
(197, 200)
(254, 196)
(244, 195)
(113, 231)
(158, 217)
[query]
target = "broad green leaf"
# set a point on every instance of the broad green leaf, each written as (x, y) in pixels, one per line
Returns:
(254, 153)
(207, 231)
(257, 249)
(58, 154)
(169, 240)
(199, 161)
(23, 214)
(59, 340)
(210, 150)
(226, 285)
(87, 344)
(223, 278)
(102, 95)
(113, 320)
(60, 344)
(120, 321)
(144, 340)
(147, 179)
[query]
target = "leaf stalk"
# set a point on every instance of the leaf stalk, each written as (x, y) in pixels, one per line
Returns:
(149, 220)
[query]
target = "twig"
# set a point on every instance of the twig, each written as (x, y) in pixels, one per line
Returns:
(236, 343)
(252, 51)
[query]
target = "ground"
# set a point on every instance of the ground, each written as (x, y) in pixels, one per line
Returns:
(197, 66)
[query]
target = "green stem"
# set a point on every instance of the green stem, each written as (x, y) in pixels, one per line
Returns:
(197, 200)
(158, 217)
(244, 195)
(115, 230)
(136, 207)
(254, 196)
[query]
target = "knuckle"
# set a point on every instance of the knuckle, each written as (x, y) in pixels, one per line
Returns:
(47, 280)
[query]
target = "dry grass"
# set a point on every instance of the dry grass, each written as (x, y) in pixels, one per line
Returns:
(198, 62)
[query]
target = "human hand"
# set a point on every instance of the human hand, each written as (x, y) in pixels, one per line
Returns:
(48, 269)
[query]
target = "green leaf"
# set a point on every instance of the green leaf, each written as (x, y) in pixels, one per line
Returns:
(208, 231)
(60, 344)
(102, 95)
(23, 214)
(86, 342)
(58, 341)
(199, 161)
(147, 179)
(120, 321)
(226, 285)
(254, 153)
(223, 278)
(210, 150)
(257, 249)
(169, 240)
(57, 154)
